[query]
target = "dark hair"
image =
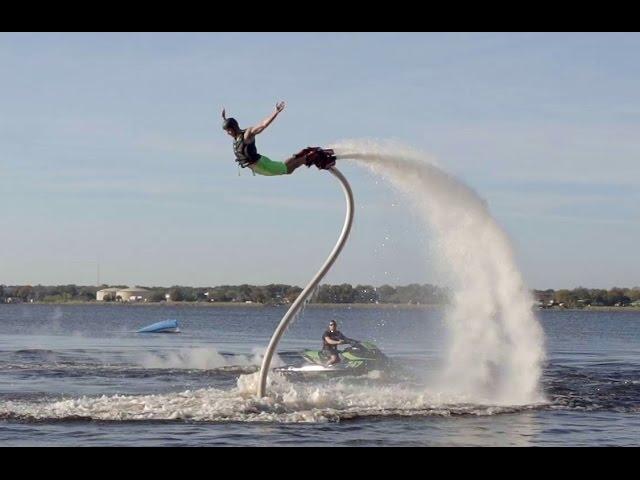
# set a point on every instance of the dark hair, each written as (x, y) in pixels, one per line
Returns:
(230, 123)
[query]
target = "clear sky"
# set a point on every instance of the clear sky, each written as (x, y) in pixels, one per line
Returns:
(111, 152)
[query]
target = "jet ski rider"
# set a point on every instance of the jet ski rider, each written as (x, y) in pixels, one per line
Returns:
(330, 341)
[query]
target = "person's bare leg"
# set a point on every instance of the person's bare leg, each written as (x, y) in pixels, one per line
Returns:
(293, 163)
(333, 360)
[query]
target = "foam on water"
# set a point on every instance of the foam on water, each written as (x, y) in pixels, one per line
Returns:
(288, 402)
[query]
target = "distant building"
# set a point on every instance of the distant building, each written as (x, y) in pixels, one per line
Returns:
(106, 294)
(133, 295)
(123, 294)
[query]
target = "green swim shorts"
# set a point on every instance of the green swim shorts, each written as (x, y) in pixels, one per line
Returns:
(266, 166)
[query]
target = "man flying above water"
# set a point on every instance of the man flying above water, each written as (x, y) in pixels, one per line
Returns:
(246, 152)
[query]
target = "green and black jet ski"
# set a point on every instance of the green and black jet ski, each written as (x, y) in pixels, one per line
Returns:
(357, 359)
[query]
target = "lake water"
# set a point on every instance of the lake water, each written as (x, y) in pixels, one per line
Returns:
(80, 375)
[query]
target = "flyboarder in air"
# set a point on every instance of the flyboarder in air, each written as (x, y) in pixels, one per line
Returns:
(246, 152)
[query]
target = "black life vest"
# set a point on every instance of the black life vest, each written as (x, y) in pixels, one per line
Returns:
(246, 153)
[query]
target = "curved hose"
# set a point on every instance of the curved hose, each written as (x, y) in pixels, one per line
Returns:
(308, 290)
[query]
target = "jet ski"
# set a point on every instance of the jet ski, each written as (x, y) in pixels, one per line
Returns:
(357, 359)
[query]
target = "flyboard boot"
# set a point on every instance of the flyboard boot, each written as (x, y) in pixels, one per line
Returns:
(324, 159)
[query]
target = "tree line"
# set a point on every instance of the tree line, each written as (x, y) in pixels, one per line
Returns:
(582, 297)
(277, 294)
(265, 294)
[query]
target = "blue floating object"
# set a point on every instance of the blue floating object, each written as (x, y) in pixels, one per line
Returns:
(166, 326)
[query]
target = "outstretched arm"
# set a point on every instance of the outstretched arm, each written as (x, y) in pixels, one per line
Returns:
(253, 131)
(347, 339)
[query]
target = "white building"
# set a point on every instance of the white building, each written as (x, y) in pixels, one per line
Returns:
(106, 294)
(133, 295)
(124, 294)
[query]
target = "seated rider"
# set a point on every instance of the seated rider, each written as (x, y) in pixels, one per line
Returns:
(244, 148)
(330, 341)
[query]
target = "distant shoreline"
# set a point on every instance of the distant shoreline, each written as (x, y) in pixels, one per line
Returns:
(311, 305)
(233, 304)
(594, 309)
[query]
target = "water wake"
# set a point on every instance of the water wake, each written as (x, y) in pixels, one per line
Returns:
(288, 403)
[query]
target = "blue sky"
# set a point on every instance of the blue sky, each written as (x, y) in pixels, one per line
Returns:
(111, 152)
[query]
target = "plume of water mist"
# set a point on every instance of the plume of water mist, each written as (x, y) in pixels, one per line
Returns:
(201, 358)
(496, 345)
